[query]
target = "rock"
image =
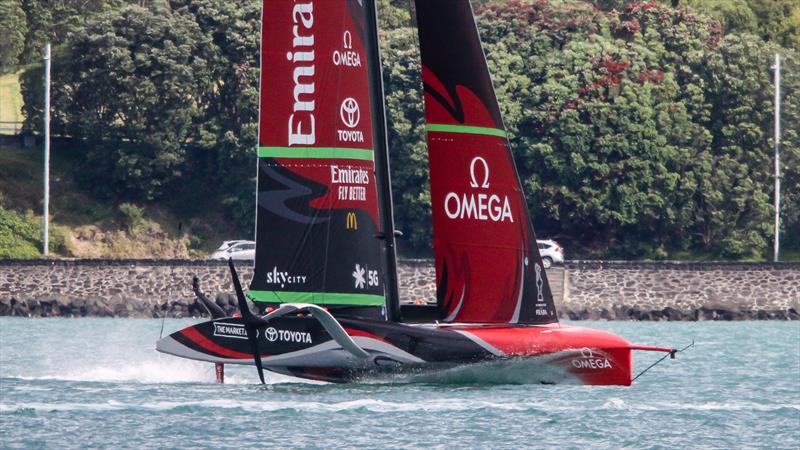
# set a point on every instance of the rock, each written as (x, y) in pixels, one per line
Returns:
(595, 289)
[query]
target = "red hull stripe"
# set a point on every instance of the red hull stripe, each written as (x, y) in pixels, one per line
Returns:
(210, 346)
(531, 341)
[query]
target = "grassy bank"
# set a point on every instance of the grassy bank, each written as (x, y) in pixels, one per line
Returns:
(186, 224)
(10, 102)
(85, 226)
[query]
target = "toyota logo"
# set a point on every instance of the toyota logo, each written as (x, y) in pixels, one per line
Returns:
(349, 112)
(271, 334)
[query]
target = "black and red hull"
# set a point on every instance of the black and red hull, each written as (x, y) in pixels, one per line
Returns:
(300, 346)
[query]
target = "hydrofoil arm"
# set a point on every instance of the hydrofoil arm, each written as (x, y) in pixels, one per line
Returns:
(331, 325)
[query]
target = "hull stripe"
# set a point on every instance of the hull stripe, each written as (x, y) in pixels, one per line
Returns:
(193, 335)
(487, 346)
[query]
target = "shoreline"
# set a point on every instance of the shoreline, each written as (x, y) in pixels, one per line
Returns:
(583, 290)
(78, 308)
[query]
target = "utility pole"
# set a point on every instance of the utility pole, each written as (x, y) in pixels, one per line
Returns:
(46, 237)
(777, 142)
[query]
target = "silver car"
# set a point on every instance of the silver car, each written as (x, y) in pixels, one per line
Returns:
(237, 250)
(551, 252)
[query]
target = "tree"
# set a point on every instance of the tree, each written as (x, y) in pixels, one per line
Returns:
(638, 129)
(777, 20)
(734, 15)
(229, 123)
(54, 21)
(603, 132)
(129, 86)
(13, 29)
(406, 123)
(735, 201)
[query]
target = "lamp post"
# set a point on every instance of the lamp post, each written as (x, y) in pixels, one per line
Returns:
(777, 143)
(45, 238)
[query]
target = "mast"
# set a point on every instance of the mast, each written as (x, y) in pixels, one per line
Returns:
(382, 173)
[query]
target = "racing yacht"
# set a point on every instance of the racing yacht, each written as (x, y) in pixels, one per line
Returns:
(325, 276)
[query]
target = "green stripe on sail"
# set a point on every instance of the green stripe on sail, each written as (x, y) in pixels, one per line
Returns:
(315, 152)
(433, 127)
(317, 298)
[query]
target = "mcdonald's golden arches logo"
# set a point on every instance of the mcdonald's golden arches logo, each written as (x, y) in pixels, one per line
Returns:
(351, 222)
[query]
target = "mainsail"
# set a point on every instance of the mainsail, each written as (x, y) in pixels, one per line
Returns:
(317, 208)
(488, 267)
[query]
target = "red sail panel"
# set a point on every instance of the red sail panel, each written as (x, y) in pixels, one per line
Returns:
(488, 267)
(317, 210)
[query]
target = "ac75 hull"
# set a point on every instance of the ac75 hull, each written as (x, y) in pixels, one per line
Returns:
(300, 346)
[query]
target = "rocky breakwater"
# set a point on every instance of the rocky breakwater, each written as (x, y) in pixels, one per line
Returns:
(113, 288)
(618, 290)
(583, 289)
(142, 288)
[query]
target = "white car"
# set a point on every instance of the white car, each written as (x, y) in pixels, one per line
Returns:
(551, 252)
(237, 250)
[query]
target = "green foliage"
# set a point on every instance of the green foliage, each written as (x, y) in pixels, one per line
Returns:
(128, 85)
(778, 21)
(21, 236)
(734, 15)
(49, 21)
(639, 129)
(147, 86)
(13, 29)
(408, 151)
(229, 125)
(132, 217)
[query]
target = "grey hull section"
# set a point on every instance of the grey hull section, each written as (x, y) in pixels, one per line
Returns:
(323, 355)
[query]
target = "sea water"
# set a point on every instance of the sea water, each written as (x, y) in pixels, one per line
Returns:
(88, 383)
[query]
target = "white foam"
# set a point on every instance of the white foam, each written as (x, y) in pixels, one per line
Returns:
(158, 369)
(614, 403)
(727, 406)
(380, 406)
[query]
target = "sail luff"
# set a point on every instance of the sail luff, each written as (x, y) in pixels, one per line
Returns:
(383, 172)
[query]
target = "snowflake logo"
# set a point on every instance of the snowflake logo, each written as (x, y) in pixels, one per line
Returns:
(358, 276)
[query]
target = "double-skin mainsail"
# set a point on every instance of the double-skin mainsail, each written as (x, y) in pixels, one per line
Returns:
(321, 131)
(318, 209)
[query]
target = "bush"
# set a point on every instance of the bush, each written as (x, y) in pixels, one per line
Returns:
(132, 217)
(21, 236)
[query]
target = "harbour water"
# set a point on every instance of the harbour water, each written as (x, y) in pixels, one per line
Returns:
(81, 383)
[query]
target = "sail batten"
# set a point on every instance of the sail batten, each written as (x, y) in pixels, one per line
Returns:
(450, 128)
(318, 298)
(316, 152)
